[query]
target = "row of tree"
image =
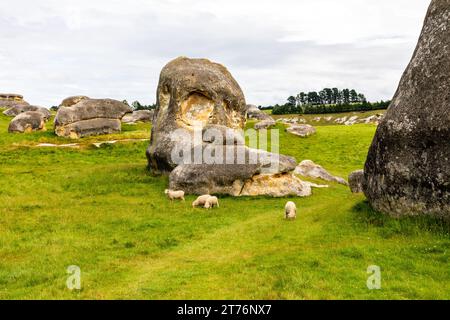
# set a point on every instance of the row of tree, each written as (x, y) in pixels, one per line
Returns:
(136, 105)
(328, 100)
(327, 96)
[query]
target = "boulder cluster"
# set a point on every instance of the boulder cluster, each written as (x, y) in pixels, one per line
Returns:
(26, 118)
(77, 116)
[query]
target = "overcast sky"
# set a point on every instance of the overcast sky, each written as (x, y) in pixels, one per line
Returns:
(51, 49)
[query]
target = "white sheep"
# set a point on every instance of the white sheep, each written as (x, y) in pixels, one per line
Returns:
(290, 210)
(211, 202)
(171, 194)
(200, 201)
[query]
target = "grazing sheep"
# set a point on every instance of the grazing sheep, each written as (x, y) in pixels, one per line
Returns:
(211, 202)
(290, 210)
(200, 202)
(174, 194)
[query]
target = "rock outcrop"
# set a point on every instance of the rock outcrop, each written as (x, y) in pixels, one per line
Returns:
(356, 181)
(197, 139)
(301, 130)
(8, 100)
(407, 171)
(138, 116)
(90, 117)
(308, 168)
(70, 101)
(20, 108)
(27, 122)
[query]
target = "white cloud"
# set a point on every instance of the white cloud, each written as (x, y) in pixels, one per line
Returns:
(52, 49)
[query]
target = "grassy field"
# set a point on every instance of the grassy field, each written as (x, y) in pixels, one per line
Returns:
(99, 209)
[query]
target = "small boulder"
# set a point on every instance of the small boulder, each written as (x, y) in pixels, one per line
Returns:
(301, 130)
(27, 122)
(138, 116)
(20, 108)
(253, 112)
(356, 180)
(308, 168)
(265, 124)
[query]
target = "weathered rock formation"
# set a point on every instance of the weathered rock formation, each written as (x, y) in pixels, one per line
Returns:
(356, 181)
(301, 130)
(20, 108)
(27, 122)
(70, 101)
(196, 136)
(8, 100)
(138, 116)
(308, 168)
(407, 171)
(90, 117)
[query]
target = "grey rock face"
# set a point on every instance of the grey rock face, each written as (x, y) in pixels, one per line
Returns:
(90, 117)
(197, 95)
(356, 181)
(138, 116)
(20, 108)
(407, 171)
(70, 101)
(27, 122)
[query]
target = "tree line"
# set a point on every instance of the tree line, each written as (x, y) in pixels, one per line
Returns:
(328, 100)
(136, 105)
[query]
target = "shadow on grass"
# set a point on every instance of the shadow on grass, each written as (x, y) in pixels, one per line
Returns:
(388, 226)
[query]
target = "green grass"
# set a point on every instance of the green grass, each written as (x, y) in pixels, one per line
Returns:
(99, 209)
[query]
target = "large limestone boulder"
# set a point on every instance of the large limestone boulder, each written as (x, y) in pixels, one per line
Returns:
(192, 92)
(90, 117)
(138, 116)
(197, 138)
(70, 101)
(20, 108)
(308, 168)
(407, 171)
(27, 122)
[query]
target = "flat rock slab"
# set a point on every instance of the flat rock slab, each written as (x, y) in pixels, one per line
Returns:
(301, 130)
(308, 168)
